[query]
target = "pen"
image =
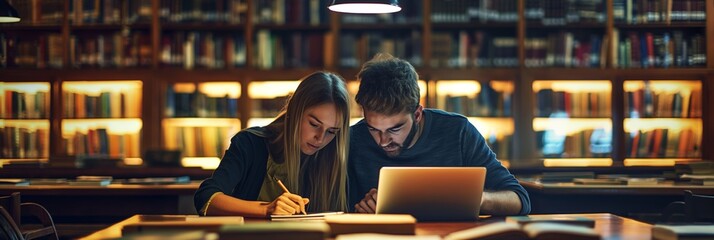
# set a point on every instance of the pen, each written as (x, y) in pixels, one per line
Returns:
(286, 190)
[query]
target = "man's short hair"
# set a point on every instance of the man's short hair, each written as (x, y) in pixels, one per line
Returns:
(388, 86)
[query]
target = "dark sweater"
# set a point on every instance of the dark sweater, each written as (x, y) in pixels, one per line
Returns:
(241, 171)
(447, 140)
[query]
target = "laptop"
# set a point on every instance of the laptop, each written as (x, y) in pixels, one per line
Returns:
(431, 193)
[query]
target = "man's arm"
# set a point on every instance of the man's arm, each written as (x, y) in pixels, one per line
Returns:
(500, 203)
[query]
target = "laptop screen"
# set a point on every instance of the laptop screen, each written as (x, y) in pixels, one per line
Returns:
(431, 193)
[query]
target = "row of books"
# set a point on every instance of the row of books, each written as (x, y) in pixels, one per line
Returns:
(206, 11)
(565, 49)
(202, 49)
(647, 103)
(356, 49)
(663, 142)
(39, 11)
(198, 141)
(561, 12)
(83, 11)
(586, 143)
(99, 142)
(114, 104)
(20, 142)
(476, 49)
(486, 103)
(294, 50)
(645, 50)
(411, 13)
(312, 12)
(20, 105)
(474, 11)
(658, 11)
(22, 50)
(198, 104)
(110, 50)
(551, 103)
(268, 108)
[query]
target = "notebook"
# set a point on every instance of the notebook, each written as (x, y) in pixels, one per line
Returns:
(431, 193)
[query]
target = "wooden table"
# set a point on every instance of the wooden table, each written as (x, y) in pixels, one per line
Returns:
(642, 202)
(80, 210)
(608, 225)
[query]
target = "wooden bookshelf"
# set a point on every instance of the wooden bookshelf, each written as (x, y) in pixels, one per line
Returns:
(156, 76)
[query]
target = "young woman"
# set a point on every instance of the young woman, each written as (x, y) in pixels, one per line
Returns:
(305, 148)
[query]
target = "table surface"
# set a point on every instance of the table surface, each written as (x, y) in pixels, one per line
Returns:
(657, 189)
(608, 225)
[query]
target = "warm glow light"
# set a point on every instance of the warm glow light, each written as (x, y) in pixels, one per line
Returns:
(573, 86)
(466, 88)
(271, 89)
(113, 126)
(133, 161)
(220, 89)
(578, 162)
(673, 124)
(569, 126)
(366, 8)
(31, 125)
(25, 87)
(184, 87)
(259, 122)
(94, 88)
(502, 86)
(671, 86)
(209, 163)
(201, 122)
(488, 126)
(654, 162)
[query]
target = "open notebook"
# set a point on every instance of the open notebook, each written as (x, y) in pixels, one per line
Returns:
(303, 217)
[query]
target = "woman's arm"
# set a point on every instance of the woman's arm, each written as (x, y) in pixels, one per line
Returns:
(287, 203)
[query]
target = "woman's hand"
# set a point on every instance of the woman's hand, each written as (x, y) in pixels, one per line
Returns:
(287, 204)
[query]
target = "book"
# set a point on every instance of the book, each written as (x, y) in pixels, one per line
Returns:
(400, 224)
(91, 181)
(599, 181)
(182, 223)
(271, 230)
(159, 180)
(682, 232)
(48, 181)
(169, 234)
(514, 231)
(382, 236)
(303, 217)
(571, 220)
(14, 181)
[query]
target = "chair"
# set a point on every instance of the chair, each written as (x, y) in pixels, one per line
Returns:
(8, 229)
(695, 208)
(13, 211)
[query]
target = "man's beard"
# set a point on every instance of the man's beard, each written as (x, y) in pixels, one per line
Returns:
(396, 149)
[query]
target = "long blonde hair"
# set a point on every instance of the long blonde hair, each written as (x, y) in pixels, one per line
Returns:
(323, 175)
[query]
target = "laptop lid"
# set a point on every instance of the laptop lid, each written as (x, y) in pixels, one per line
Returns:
(431, 193)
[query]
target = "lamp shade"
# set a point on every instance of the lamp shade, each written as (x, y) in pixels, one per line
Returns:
(7, 13)
(365, 6)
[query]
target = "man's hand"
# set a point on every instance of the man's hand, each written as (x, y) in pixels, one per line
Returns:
(369, 203)
(287, 204)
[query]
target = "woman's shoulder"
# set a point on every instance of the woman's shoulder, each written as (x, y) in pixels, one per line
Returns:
(251, 134)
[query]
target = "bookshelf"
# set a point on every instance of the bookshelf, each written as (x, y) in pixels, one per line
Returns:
(258, 48)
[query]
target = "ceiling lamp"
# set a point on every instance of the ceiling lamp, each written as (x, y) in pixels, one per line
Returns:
(365, 6)
(7, 13)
